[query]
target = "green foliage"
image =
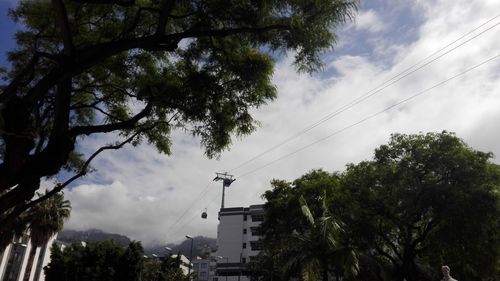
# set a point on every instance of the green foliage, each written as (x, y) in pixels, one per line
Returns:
(141, 69)
(424, 201)
(43, 220)
(47, 219)
(97, 261)
(101, 261)
(301, 235)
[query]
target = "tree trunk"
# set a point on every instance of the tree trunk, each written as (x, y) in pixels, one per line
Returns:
(29, 266)
(325, 272)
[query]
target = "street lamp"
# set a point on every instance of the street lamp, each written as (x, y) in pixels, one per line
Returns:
(227, 261)
(190, 255)
(169, 251)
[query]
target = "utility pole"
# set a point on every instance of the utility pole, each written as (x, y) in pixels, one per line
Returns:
(227, 180)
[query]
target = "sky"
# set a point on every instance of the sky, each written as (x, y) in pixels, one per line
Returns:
(157, 199)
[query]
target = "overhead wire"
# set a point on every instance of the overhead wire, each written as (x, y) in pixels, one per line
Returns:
(408, 71)
(369, 117)
(387, 83)
(191, 219)
(204, 191)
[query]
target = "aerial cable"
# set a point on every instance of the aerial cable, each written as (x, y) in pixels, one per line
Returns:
(192, 219)
(405, 73)
(370, 116)
(357, 100)
(204, 191)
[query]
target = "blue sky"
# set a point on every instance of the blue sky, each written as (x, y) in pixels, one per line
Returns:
(7, 31)
(137, 189)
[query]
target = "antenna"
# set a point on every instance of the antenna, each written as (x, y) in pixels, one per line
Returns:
(227, 180)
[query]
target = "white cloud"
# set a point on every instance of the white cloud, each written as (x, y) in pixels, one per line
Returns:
(369, 21)
(143, 193)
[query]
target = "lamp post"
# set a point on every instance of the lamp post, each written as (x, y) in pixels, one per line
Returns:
(190, 256)
(227, 261)
(169, 252)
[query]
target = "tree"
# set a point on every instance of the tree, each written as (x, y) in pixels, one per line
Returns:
(139, 69)
(97, 261)
(424, 201)
(303, 238)
(45, 220)
(317, 251)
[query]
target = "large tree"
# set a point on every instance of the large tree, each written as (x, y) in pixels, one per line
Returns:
(303, 239)
(139, 69)
(424, 201)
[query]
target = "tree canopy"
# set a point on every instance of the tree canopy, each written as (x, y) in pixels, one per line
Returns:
(140, 69)
(95, 261)
(423, 201)
(107, 261)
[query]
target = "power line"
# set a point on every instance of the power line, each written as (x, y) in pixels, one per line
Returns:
(191, 219)
(371, 116)
(408, 71)
(204, 191)
(405, 73)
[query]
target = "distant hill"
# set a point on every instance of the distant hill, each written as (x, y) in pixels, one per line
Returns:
(91, 235)
(201, 245)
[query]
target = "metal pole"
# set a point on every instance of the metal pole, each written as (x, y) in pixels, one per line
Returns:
(190, 260)
(190, 256)
(227, 180)
(223, 196)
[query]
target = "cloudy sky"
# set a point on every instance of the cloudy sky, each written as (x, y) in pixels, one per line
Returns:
(154, 198)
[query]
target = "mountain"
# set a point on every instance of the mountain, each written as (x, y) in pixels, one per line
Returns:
(202, 246)
(91, 235)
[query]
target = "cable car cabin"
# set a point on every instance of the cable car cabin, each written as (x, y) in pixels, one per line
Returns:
(204, 215)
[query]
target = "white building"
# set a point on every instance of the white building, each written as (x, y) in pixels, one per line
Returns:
(204, 268)
(184, 263)
(238, 240)
(15, 264)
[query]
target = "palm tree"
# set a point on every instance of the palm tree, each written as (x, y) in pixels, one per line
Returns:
(45, 220)
(317, 251)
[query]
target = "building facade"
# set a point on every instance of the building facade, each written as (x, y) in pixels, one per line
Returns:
(17, 265)
(204, 268)
(238, 241)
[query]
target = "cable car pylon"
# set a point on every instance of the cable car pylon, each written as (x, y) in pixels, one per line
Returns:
(227, 180)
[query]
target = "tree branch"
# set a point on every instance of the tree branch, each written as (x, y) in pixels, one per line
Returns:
(91, 55)
(11, 89)
(62, 19)
(126, 3)
(383, 253)
(83, 171)
(87, 130)
(427, 229)
(106, 113)
(165, 9)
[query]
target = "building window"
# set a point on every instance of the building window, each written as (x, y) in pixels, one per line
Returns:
(256, 245)
(257, 217)
(256, 231)
(244, 231)
(244, 245)
(203, 265)
(244, 217)
(203, 274)
(243, 260)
